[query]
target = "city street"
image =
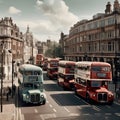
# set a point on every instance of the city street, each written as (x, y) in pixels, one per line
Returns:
(65, 105)
(69, 40)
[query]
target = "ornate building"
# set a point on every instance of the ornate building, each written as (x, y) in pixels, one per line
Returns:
(11, 50)
(97, 39)
(30, 49)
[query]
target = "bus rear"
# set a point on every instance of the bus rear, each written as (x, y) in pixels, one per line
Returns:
(52, 70)
(39, 60)
(66, 74)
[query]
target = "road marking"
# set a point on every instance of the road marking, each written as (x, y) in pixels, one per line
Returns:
(108, 106)
(82, 100)
(50, 105)
(83, 106)
(74, 114)
(86, 114)
(95, 108)
(21, 115)
(54, 110)
(36, 111)
(118, 114)
(66, 109)
(116, 103)
(108, 113)
(47, 116)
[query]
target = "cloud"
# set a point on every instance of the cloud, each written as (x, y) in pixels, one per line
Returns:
(41, 29)
(13, 10)
(56, 18)
(57, 12)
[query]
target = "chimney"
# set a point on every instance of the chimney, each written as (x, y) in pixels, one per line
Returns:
(116, 6)
(108, 8)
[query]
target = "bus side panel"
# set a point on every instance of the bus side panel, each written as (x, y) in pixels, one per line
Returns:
(80, 89)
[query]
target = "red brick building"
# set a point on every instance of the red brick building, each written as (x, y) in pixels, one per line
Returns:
(97, 39)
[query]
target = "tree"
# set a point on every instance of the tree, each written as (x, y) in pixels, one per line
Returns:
(54, 51)
(58, 52)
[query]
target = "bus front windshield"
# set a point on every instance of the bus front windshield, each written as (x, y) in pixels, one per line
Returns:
(35, 85)
(95, 84)
(28, 85)
(100, 68)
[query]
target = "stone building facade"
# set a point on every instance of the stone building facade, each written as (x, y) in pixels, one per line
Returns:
(30, 47)
(16, 48)
(97, 39)
(11, 50)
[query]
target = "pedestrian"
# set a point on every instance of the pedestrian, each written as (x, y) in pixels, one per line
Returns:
(14, 89)
(118, 93)
(8, 93)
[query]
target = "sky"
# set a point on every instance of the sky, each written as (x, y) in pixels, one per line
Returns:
(48, 18)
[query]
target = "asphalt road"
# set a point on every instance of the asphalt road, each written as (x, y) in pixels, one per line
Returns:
(65, 105)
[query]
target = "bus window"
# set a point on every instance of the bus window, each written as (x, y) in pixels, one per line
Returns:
(36, 73)
(28, 85)
(107, 69)
(95, 83)
(88, 83)
(36, 85)
(28, 73)
(96, 68)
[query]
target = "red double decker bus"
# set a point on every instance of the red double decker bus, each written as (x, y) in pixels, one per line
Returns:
(52, 68)
(91, 81)
(39, 60)
(66, 74)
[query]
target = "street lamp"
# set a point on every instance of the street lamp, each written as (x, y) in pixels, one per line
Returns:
(85, 56)
(116, 59)
(2, 44)
(12, 70)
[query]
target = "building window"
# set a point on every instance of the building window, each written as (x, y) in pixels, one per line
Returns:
(102, 23)
(95, 24)
(11, 32)
(109, 46)
(110, 21)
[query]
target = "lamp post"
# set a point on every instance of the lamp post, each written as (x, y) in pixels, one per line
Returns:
(115, 59)
(1, 81)
(2, 44)
(12, 71)
(12, 75)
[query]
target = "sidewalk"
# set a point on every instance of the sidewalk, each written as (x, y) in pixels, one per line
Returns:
(111, 87)
(8, 107)
(8, 110)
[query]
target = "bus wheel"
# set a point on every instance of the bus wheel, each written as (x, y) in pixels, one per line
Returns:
(75, 91)
(64, 88)
(44, 101)
(110, 103)
(88, 98)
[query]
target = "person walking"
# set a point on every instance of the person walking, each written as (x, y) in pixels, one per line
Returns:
(118, 94)
(8, 93)
(14, 89)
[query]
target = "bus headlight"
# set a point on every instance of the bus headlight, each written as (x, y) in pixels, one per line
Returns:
(42, 96)
(110, 95)
(93, 95)
(27, 96)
